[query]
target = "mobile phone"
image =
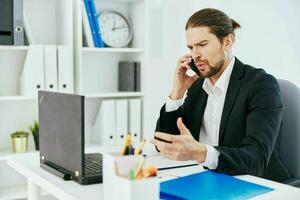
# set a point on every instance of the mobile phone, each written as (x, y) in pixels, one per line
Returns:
(194, 67)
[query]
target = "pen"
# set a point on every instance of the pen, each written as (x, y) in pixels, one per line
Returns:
(117, 169)
(139, 150)
(131, 175)
(140, 166)
(128, 141)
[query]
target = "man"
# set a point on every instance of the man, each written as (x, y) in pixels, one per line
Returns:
(231, 116)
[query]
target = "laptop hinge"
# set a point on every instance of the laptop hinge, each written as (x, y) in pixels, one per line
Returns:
(58, 171)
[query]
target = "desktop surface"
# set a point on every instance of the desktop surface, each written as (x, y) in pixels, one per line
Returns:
(28, 165)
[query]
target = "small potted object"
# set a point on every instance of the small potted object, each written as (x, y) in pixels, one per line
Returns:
(20, 141)
(35, 133)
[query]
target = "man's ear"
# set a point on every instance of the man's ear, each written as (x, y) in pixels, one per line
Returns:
(228, 41)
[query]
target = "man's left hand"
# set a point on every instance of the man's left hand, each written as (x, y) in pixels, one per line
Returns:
(181, 147)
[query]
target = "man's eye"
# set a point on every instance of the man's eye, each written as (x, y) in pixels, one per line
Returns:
(202, 45)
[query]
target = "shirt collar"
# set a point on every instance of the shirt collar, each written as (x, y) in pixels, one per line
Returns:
(222, 83)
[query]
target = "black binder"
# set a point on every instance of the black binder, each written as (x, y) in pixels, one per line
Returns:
(6, 22)
(11, 22)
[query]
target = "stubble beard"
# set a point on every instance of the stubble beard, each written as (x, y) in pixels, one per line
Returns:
(214, 69)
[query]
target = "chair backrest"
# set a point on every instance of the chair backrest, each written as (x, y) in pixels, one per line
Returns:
(290, 131)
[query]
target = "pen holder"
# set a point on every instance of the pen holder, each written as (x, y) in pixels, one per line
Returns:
(119, 187)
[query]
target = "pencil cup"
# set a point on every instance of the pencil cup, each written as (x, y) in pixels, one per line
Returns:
(117, 185)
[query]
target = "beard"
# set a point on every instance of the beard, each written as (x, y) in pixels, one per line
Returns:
(215, 68)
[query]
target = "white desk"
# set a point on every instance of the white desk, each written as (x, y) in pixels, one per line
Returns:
(28, 165)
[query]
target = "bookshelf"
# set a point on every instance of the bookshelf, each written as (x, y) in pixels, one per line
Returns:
(47, 22)
(96, 69)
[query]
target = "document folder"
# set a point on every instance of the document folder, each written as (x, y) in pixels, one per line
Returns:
(6, 22)
(210, 185)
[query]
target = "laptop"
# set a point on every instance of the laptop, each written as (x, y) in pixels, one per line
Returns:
(61, 118)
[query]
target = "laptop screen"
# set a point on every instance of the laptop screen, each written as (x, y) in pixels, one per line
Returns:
(61, 118)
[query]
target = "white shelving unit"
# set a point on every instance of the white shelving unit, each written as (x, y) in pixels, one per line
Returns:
(96, 69)
(56, 22)
(50, 22)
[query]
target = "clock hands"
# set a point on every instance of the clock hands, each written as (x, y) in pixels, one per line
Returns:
(120, 27)
(114, 23)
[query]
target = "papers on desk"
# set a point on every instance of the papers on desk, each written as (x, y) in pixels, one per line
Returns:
(210, 185)
(163, 163)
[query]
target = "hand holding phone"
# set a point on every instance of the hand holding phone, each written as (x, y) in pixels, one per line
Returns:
(194, 67)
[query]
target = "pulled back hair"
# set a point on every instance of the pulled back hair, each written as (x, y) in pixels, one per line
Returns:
(217, 21)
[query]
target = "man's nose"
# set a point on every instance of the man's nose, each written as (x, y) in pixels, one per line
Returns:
(196, 54)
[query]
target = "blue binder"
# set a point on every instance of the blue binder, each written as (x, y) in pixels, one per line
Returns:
(210, 185)
(95, 28)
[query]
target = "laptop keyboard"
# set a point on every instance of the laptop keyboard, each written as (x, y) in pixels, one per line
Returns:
(93, 164)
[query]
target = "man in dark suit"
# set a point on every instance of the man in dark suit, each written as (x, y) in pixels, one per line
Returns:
(231, 115)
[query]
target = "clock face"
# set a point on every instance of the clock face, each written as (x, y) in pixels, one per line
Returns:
(115, 29)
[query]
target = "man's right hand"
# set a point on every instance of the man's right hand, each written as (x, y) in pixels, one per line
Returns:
(182, 82)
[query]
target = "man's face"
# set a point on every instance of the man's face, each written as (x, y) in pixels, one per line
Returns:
(206, 50)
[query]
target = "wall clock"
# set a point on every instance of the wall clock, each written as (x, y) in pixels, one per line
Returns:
(115, 29)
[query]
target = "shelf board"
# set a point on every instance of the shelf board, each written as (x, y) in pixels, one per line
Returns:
(123, 1)
(16, 98)
(7, 152)
(113, 50)
(4, 153)
(115, 95)
(11, 47)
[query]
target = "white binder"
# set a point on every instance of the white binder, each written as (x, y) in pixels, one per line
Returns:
(135, 119)
(65, 69)
(32, 77)
(104, 127)
(121, 120)
(50, 61)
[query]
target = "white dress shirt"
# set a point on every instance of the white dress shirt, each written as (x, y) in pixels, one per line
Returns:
(209, 131)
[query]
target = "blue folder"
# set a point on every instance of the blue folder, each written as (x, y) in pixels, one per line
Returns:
(93, 20)
(210, 185)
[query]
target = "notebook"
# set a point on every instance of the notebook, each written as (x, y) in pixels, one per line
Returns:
(210, 185)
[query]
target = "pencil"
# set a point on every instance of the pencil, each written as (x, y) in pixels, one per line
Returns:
(140, 166)
(127, 142)
(139, 150)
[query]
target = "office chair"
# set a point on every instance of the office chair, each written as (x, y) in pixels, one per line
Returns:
(289, 148)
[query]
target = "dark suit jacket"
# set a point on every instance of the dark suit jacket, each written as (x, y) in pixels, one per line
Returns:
(250, 123)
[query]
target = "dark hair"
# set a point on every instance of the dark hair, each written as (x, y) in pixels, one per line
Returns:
(217, 21)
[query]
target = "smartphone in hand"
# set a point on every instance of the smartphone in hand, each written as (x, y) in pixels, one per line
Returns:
(194, 67)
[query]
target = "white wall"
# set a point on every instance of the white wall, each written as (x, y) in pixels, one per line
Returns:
(268, 39)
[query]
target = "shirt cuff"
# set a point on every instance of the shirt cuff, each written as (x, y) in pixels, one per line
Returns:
(212, 157)
(172, 105)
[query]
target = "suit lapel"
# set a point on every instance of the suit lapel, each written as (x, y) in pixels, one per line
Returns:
(232, 92)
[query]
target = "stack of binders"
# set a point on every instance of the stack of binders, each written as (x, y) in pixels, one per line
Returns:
(90, 15)
(114, 119)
